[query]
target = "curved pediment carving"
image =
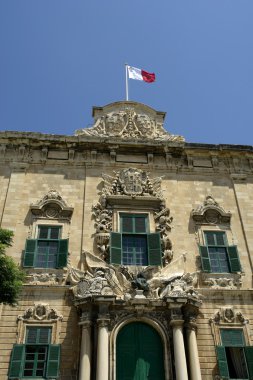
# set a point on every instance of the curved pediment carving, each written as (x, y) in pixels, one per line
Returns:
(129, 120)
(210, 212)
(52, 206)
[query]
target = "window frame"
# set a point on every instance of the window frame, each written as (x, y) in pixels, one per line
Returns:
(224, 348)
(153, 241)
(137, 237)
(232, 255)
(32, 245)
(51, 363)
(47, 240)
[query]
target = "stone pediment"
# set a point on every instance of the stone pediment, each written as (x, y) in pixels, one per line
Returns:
(129, 120)
(210, 212)
(52, 206)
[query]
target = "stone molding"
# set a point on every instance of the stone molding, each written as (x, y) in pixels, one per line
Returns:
(222, 281)
(52, 206)
(210, 212)
(19, 149)
(51, 277)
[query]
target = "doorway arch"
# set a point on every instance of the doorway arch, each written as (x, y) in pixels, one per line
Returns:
(139, 353)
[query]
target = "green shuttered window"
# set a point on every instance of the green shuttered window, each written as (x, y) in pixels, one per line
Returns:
(235, 360)
(217, 256)
(37, 358)
(48, 250)
(134, 245)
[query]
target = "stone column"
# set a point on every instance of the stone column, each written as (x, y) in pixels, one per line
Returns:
(103, 349)
(194, 366)
(85, 351)
(179, 350)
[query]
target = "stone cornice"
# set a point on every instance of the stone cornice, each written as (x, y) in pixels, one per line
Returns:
(37, 140)
(19, 149)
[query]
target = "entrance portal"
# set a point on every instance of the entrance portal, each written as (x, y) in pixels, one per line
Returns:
(139, 353)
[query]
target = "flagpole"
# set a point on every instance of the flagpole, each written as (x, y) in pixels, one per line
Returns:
(126, 81)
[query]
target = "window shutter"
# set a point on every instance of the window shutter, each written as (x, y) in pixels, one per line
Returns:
(249, 358)
(30, 249)
(232, 337)
(115, 248)
(154, 249)
(222, 362)
(17, 359)
(53, 362)
(205, 260)
(62, 253)
(234, 261)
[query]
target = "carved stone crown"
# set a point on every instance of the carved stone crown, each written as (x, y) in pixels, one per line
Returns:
(210, 212)
(52, 206)
(129, 120)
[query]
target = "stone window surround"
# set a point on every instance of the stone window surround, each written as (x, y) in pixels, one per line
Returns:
(217, 326)
(23, 323)
(227, 278)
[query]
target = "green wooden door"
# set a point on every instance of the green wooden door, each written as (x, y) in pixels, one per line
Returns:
(139, 353)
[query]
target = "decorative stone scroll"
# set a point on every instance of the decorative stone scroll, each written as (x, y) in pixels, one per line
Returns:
(40, 312)
(129, 120)
(52, 206)
(210, 212)
(229, 315)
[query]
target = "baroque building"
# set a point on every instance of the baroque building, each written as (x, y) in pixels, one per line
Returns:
(137, 249)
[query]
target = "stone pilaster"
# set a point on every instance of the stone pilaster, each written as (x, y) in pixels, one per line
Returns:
(103, 348)
(85, 351)
(179, 349)
(194, 366)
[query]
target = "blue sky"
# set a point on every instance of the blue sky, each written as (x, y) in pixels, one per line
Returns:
(58, 58)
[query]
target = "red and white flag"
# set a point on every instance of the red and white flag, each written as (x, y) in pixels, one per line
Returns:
(139, 74)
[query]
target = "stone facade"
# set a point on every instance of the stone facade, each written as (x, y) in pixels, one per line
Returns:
(127, 164)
